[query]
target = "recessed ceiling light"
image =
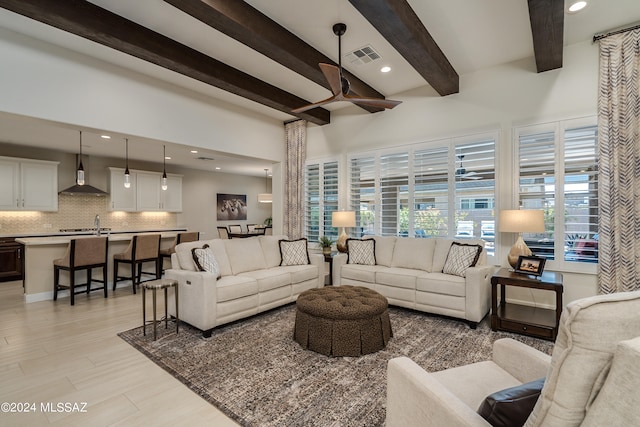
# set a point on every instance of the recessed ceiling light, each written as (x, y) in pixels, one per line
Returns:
(218, 168)
(576, 6)
(385, 69)
(167, 157)
(105, 137)
(194, 151)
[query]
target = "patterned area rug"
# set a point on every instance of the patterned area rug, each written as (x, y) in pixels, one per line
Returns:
(255, 373)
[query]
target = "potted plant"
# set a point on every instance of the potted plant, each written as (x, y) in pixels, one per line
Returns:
(325, 244)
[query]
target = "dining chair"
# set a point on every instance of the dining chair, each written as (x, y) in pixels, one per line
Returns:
(180, 238)
(268, 230)
(235, 228)
(223, 233)
(251, 228)
(142, 248)
(82, 254)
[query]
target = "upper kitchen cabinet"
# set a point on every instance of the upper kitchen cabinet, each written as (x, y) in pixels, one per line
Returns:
(145, 193)
(28, 185)
(121, 198)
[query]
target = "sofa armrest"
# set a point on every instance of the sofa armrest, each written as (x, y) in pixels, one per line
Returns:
(318, 261)
(478, 292)
(337, 262)
(520, 360)
(416, 398)
(197, 297)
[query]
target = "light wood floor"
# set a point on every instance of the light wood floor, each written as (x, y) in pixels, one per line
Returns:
(51, 352)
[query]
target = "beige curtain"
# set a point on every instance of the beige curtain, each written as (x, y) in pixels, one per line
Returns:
(619, 162)
(296, 140)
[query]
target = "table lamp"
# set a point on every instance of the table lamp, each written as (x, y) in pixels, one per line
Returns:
(343, 219)
(520, 221)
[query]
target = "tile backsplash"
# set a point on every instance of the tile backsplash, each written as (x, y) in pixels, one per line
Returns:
(79, 211)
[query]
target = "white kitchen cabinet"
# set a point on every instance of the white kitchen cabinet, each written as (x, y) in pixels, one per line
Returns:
(145, 194)
(120, 198)
(148, 191)
(28, 185)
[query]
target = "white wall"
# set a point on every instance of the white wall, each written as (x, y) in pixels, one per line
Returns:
(497, 98)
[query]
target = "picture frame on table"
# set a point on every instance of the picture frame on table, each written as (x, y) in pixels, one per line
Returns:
(532, 265)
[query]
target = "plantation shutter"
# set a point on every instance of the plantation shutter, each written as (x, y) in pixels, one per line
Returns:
(394, 182)
(362, 174)
(321, 198)
(431, 192)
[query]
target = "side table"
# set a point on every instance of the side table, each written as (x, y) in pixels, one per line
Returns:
(532, 321)
(329, 258)
(154, 285)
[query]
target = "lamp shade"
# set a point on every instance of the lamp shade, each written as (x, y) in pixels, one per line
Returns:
(521, 221)
(343, 219)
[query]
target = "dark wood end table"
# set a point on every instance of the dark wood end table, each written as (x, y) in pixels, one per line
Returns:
(532, 321)
(329, 258)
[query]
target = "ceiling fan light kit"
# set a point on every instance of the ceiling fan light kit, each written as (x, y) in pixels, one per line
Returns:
(340, 86)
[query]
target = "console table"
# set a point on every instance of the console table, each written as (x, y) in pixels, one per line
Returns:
(533, 321)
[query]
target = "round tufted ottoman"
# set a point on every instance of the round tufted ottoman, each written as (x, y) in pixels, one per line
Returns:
(342, 321)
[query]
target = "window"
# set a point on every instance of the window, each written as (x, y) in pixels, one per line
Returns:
(558, 174)
(445, 188)
(321, 199)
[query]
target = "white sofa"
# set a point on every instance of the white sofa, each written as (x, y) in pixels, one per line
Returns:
(408, 272)
(252, 280)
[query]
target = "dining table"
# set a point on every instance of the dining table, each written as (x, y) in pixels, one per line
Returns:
(245, 234)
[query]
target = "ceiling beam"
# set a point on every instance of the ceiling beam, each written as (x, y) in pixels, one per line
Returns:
(399, 24)
(547, 29)
(87, 20)
(251, 27)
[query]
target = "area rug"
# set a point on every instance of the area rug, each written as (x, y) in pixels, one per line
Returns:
(255, 373)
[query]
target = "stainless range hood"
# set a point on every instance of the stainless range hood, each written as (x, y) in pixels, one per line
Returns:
(83, 190)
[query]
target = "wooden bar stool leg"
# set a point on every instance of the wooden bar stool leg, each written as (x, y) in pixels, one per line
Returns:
(177, 316)
(144, 314)
(155, 324)
(88, 280)
(72, 284)
(166, 317)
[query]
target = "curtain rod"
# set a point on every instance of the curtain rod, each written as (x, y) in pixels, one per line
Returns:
(623, 29)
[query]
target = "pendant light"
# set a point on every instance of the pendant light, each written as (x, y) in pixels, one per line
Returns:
(265, 197)
(164, 168)
(80, 171)
(127, 176)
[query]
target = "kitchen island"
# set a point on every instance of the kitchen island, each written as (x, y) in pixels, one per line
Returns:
(39, 253)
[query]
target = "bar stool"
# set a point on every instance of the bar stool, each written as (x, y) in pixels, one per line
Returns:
(82, 254)
(142, 248)
(154, 285)
(223, 233)
(192, 236)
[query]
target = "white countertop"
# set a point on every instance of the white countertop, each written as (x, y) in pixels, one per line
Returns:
(63, 239)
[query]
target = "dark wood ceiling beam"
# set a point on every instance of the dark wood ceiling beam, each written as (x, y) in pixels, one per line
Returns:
(252, 28)
(399, 24)
(547, 29)
(87, 20)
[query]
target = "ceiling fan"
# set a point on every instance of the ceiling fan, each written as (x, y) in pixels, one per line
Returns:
(461, 172)
(340, 85)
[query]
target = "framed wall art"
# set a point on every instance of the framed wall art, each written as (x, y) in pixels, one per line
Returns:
(231, 207)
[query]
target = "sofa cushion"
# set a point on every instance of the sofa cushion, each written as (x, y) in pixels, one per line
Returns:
(362, 273)
(219, 251)
(413, 253)
(185, 257)
(271, 249)
(361, 252)
(440, 283)
(245, 254)
(590, 329)
(512, 406)
(294, 252)
(384, 249)
(398, 277)
(442, 251)
(461, 256)
(300, 273)
(233, 287)
(205, 260)
(269, 279)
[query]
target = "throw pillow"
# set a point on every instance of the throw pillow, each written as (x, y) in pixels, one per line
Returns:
(205, 260)
(294, 252)
(511, 407)
(361, 251)
(461, 256)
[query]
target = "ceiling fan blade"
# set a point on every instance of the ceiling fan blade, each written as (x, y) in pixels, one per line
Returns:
(315, 104)
(332, 74)
(375, 102)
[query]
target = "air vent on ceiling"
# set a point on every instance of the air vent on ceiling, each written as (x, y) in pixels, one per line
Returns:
(364, 55)
(205, 158)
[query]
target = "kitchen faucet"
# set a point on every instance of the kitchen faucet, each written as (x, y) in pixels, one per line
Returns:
(96, 222)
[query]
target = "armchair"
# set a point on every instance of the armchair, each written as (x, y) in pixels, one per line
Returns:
(590, 331)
